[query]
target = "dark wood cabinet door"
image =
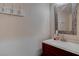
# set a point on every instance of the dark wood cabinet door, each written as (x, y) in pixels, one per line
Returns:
(49, 50)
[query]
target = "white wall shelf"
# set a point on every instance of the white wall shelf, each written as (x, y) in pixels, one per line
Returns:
(11, 11)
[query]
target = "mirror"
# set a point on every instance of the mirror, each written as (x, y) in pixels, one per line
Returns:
(65, 18)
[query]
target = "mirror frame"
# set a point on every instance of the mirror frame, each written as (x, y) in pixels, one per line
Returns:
(74, 20)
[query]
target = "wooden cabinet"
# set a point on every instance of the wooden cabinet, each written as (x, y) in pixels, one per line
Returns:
(49, 50)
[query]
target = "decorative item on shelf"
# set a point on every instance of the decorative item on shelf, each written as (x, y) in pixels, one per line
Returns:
(7, 10)
(11, 10)
(56, 35)
(62, 38)
(20, 10)
(1, 8)
(15, 12)
(21, 13)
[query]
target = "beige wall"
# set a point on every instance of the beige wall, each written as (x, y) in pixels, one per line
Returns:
(29, 25)
(11, 26)
(26, 33)
(71, 38)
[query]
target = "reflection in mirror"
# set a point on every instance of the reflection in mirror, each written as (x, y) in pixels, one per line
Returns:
(64, 13)
(65, 17)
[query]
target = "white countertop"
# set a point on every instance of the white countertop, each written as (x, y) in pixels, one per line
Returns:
(68, 46)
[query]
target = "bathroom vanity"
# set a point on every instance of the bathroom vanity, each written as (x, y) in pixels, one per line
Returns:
(59, 48)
